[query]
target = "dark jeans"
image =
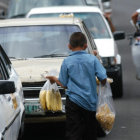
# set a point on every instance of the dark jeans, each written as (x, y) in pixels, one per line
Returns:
(81, 124)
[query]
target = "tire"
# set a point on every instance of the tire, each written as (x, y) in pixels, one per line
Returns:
(117, 85)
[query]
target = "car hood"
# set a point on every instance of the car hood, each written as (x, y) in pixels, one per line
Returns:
(34, 70)
(106, 47)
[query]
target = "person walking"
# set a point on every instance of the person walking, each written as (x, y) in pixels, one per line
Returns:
(78, 75)
(136, 19)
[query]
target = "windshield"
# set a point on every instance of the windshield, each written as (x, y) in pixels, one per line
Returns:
(22, 7)
(37, 41)
(93, 21)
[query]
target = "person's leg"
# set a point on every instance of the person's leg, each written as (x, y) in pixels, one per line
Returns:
(74, 121)
(90, 126)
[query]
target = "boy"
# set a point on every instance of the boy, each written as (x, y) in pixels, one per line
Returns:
(77, 74)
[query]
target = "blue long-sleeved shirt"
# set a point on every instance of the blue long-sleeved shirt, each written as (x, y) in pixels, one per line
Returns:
(78, 73)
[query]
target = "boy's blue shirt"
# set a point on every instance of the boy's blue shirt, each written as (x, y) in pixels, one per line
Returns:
(78, 73)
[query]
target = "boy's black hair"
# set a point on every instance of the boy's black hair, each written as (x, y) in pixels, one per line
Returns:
(77, 39)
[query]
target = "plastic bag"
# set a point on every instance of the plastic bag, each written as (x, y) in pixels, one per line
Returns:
(50, 97)
(105, 108)
(109, 80)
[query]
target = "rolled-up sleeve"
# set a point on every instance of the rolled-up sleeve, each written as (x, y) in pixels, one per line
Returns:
(100, 71)
(63, 75)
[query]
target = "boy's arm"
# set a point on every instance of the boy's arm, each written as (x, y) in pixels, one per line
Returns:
(100, 72)
(53, 79)
(134, 17)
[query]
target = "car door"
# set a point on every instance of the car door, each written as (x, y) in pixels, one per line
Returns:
(9, 103)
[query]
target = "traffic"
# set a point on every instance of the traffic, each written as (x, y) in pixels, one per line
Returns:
(34, 44)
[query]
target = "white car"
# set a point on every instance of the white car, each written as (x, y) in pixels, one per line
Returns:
(19, 8)
(103, 37)
(35, 47)
(11, 101)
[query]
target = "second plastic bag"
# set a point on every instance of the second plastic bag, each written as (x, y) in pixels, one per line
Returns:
(105, 108)
(50, 97)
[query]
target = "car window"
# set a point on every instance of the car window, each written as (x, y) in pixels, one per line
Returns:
(37, 41)
(5, 61)
(4, 74)
(22, 7)
(1, 74)
(93, 21)
(93, 45)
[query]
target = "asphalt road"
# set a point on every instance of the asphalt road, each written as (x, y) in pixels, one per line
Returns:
(4, 3)
(127, 124)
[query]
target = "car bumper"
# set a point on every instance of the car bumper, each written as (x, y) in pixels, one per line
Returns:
(44, 119)
(35, 114)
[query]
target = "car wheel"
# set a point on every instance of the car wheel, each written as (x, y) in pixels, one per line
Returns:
(117, 85)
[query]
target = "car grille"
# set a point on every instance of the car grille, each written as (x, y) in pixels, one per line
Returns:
(32, 90)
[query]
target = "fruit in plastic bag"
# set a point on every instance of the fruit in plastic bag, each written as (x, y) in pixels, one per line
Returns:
(58, 101)
(105, 117)
(53, 100)
(42, 97)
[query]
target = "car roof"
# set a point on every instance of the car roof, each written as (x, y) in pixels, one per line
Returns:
(40, 21)
(60, 9)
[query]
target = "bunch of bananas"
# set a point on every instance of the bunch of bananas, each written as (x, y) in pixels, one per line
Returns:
(50, 100)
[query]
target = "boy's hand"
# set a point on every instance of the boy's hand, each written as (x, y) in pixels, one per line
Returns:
(52, 79)
(103, 82)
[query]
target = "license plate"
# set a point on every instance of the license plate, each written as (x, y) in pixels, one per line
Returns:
(33, 108)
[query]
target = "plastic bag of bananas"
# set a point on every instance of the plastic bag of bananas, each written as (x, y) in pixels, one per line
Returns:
(50, 97)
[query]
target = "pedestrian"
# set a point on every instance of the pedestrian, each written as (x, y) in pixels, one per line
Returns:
(77, 75)
(136, 19)
(108, 18)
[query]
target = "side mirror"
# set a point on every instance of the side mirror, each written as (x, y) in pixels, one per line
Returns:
(7, 87)
(118, 35)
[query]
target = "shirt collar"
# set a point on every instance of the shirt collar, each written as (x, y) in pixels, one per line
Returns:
(78, 52)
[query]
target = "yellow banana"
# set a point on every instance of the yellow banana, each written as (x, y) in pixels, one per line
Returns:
(42, 97)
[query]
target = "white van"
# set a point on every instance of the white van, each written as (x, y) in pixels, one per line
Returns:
(19, 8)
